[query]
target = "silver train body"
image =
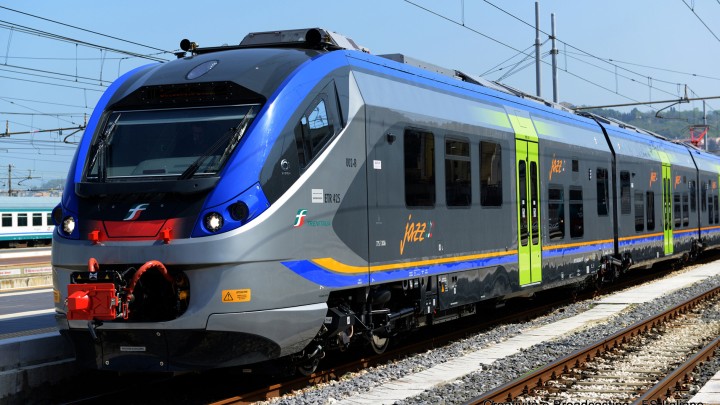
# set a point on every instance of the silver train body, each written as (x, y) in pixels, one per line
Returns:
(356, 197)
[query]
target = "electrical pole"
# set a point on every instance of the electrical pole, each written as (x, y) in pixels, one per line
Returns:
(10, 180)
(707, 135)
(554, 52)
(537, 48)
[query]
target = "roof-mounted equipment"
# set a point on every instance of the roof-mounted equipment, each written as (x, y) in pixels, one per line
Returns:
(309, 38)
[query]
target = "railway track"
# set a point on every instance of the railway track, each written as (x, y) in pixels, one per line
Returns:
(646, 361)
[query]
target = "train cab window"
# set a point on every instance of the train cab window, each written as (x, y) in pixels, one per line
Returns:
(693, 195)
(7, 220)
(166, 144)
(37, 219)
(625, 197)
(577, 224)
(639, 212)
(677, 210)
(419, 156)
(313, 131)
(650, 204)
(602, 191)
(556, 212)
(457, 173)
(22, 219)
(490, 174)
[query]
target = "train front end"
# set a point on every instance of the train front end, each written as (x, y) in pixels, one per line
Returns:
(167, 254)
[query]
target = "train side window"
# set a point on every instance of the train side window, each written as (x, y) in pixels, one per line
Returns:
(37, 219)
(22, 219)
(457, 173)
(693, 195)
(48, 219)
(685, 210)
(639, 212)
(602, 191)
(556, 212)
(625, 203)
(490, 174)
(577, 225)
(419, 156)
(703, 196)
(650, 198)
(715, 208)
(7, 220)
(711, 211)
(677, 210)
(317, 126)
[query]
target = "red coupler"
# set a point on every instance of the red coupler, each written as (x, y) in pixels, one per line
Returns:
(92, 301)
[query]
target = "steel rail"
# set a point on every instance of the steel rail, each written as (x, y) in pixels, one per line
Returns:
(525, 385)
(675, 383)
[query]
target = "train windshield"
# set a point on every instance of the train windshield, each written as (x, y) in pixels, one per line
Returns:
(171, 144)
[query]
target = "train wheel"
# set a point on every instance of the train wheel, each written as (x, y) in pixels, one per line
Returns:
(379, 343)
(308, 367)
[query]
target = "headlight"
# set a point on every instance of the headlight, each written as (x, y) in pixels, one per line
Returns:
(213, 222)
(68, 225)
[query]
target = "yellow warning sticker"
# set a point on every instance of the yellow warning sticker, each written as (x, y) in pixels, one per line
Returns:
(56, 296)
(236, 295)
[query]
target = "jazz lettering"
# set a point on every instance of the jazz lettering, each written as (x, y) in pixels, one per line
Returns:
(415, 232)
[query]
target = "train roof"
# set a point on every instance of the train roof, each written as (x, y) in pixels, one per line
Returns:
(323, 40)
(20, 203)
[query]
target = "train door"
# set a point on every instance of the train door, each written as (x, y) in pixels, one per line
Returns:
(667, 209)
(528, 199)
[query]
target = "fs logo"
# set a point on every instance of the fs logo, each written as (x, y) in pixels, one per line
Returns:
(134, 212)
(300, 218)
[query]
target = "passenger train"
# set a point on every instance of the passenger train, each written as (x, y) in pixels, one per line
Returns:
(295, 194)
(26, 220)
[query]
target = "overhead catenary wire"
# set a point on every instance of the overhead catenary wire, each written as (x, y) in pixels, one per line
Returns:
(623, 76)
(50, 84)
(568, 44)
(45, 141)
(37, 111)
(517, 50)
(87, 30)
(62, 38)
(701, 20)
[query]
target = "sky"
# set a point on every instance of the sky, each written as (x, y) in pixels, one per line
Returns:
(57, 57)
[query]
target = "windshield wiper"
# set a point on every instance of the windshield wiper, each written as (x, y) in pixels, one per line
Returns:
(235, 134)
(101, 146)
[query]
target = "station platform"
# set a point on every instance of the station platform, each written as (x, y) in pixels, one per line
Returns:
(709, 394)
(22, 269)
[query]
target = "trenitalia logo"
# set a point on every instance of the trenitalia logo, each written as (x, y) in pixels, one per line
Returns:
(134, 212)
(300, 218)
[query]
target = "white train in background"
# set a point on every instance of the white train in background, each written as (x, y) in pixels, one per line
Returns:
(26, 220)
